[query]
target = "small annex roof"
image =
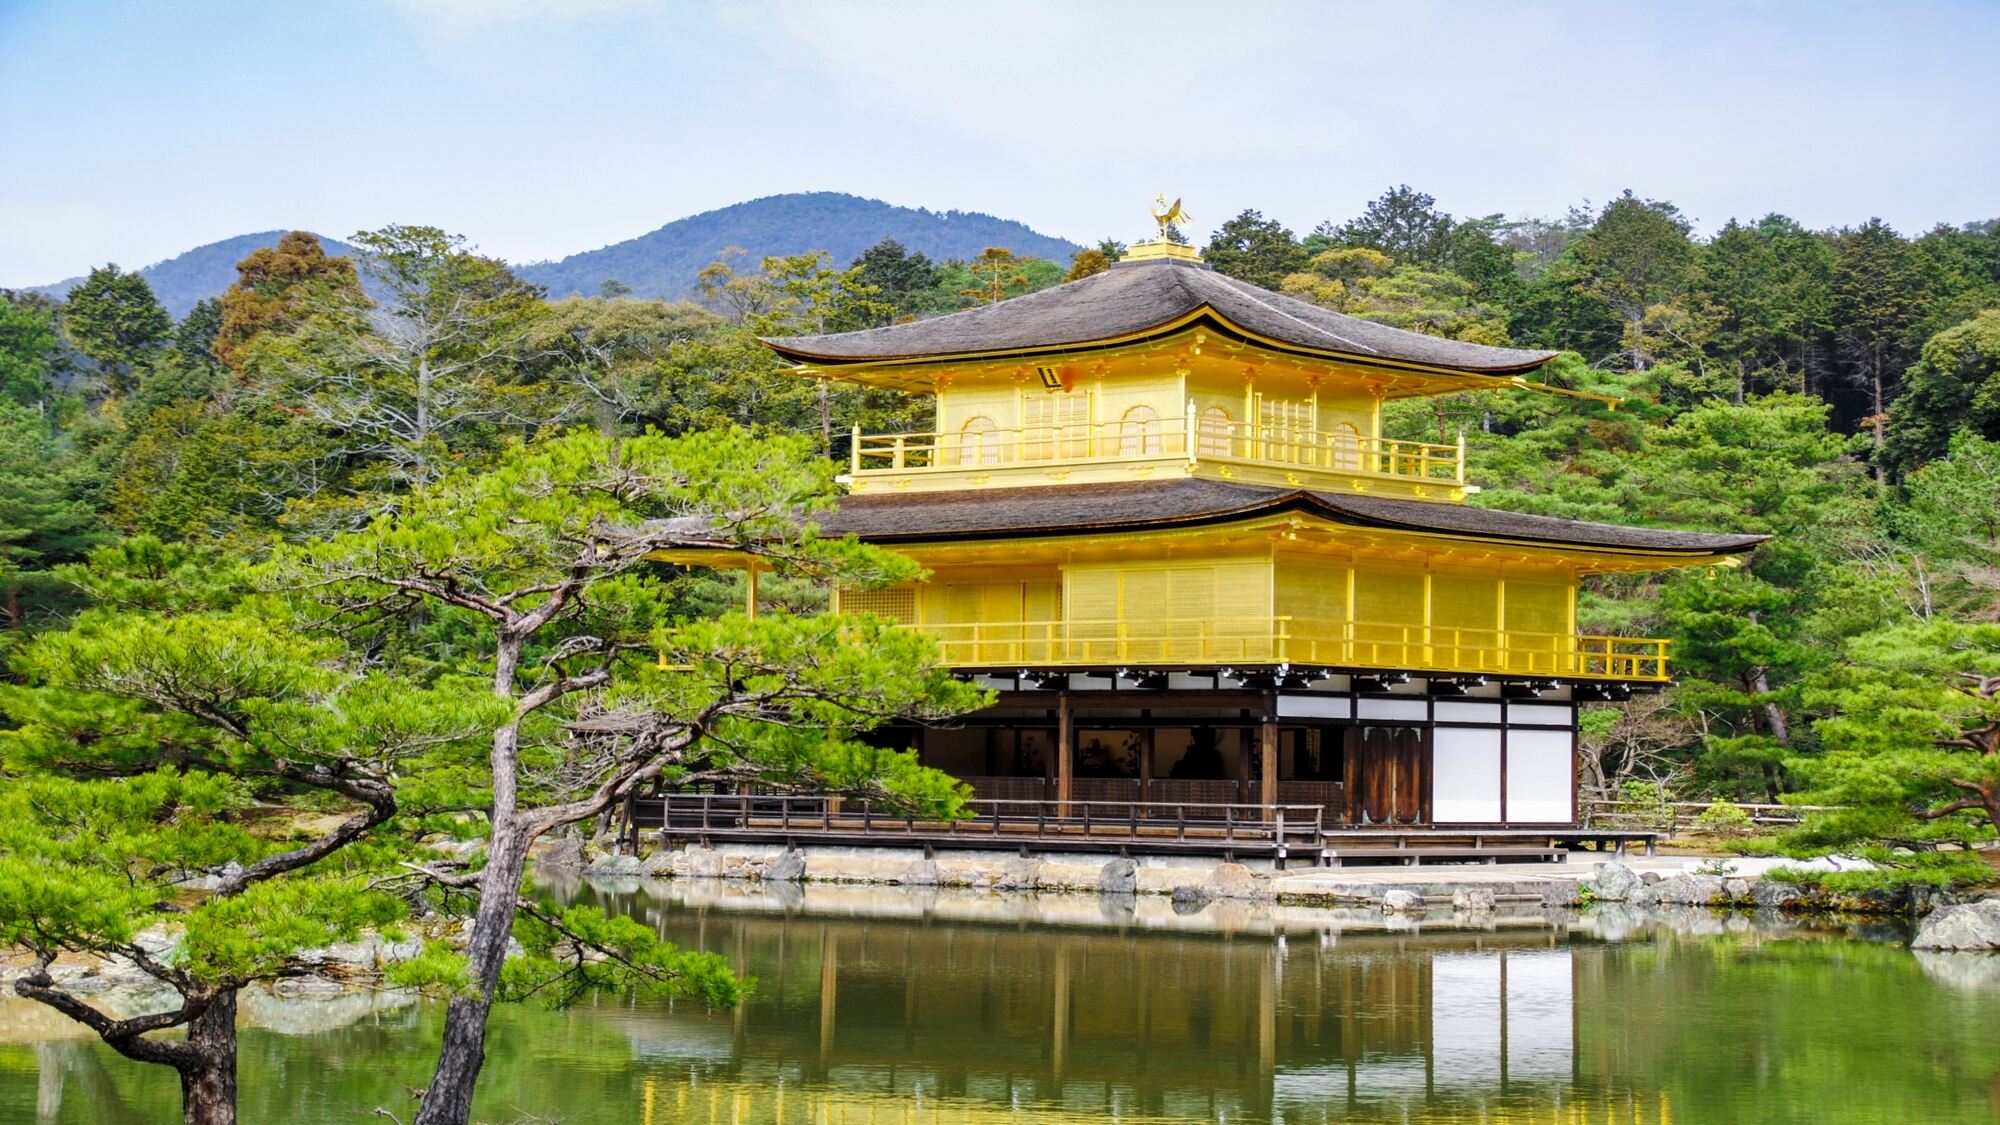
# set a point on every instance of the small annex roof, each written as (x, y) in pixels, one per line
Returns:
(1134, 300)
(1051, 510)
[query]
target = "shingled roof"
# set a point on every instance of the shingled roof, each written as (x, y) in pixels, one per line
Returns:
(1138, 505)
(1132, 300)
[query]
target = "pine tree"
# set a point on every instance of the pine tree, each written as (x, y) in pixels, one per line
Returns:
(27, 352)
(113, 318)
(1252, 248)
(1878, 295)
(276, 288)
(43, 518)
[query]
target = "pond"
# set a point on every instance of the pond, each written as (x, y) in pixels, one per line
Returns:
(883, 1006)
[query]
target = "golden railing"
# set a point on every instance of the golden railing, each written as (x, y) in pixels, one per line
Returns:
(1289, 640)
(1338, 451)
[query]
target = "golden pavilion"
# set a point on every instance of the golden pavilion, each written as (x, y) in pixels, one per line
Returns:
(1161, 520)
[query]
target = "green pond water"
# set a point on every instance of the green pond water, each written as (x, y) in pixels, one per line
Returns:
(884, 1006)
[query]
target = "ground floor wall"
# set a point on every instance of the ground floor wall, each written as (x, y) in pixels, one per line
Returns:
(1369, 752)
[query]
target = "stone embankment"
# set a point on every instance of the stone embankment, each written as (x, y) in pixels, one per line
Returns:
(1398, 890)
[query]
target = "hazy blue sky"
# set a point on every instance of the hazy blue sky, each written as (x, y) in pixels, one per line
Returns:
(134, 131)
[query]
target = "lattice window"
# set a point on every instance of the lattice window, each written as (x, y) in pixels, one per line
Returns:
(1215, 436)
(1285, 427)
(1139, 432)
(897, 603)
(1346, 447)
(1056, 425)
(978, 444)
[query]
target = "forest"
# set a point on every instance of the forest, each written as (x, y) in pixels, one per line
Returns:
(1836, 389)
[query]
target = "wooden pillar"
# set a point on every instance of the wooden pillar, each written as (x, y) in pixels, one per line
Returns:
(750, 591)
(1267, 760)
(1146, 766)
(1065, 760)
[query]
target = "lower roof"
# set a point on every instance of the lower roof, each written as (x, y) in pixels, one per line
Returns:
(1048, 510)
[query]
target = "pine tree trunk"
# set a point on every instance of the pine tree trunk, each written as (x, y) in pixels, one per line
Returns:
(208, 1081)
(448, 1101)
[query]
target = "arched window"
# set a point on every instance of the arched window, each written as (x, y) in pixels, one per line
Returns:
(1346, 446)
(1214, 427)
(978, 443)
(1139, 432)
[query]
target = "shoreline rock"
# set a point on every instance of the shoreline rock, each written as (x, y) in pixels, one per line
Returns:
(1970, 927)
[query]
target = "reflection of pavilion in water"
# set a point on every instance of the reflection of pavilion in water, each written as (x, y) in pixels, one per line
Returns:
(1140, 1024)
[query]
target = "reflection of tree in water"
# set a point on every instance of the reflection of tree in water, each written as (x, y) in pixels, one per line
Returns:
(1037, 1023)
(82, 1080)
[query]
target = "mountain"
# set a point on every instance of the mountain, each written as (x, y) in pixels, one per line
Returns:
(665, 262)
(204, 271)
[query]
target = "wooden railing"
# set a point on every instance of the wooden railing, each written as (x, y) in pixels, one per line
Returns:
(1274, 830)
(1673, 816)
(1345, 644)
(1337, 451)
(1165, 793)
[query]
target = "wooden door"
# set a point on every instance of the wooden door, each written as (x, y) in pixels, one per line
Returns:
(1388, 776)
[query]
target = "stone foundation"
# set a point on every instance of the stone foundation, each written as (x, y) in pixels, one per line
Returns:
(1072, 872)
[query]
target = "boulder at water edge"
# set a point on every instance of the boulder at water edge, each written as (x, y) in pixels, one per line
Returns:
(1119, 877)
(1019, 875)
(1400, 901)
(1613, 882)
(788, 866)
(1474, 900)
(1233, 880)
(1971, 926)
(1689, 890)
(613, 865)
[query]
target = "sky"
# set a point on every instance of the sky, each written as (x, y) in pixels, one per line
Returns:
(131, 132)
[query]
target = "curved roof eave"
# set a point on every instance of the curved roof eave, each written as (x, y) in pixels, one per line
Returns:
(1215, 319)
(1337, 511)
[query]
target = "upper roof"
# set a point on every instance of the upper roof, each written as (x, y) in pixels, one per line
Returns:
(1136, 299)
(1047, 510)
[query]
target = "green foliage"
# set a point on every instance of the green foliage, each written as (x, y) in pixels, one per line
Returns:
(427, 380)
(1954, 386)
(1878, 291)
(1911, 737)
(1252, 248)
(1724, 818)
(112, 317)
(907, 283)
(27, 352)
(997, 273)
(1895, 871)
(572, 951)
(45, 517)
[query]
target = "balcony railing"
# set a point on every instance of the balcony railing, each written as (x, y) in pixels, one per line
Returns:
(1289, 640)
(1285, 447)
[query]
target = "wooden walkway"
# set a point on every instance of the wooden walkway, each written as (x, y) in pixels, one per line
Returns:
(1281, 834)
(1284, 834)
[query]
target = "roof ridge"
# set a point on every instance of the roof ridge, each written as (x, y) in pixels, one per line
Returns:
(1257, 293)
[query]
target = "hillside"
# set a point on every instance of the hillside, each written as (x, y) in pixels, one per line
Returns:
(665, 262)
(204, 271)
